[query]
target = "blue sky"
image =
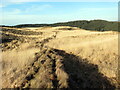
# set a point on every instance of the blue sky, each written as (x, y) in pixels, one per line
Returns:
(52, 12)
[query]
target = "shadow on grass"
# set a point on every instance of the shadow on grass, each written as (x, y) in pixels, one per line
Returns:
(6, 40)
(83, 74)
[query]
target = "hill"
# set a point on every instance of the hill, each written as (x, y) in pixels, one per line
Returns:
(59, 57)
(98, 25)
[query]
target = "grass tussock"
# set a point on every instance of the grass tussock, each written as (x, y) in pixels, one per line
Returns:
(60, 57)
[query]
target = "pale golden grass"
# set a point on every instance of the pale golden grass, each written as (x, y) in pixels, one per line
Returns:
(19, 35)
(100, 48)
(62, 76)
(46, 32)
(18, 59)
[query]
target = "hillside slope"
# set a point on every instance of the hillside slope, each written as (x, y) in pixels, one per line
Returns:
(97, 25)
(58, 57)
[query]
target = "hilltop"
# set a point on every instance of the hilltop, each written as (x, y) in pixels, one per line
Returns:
(98, 25)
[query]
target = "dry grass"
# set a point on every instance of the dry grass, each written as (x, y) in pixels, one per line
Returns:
(58, 58)
(62, 76)
(100, 48)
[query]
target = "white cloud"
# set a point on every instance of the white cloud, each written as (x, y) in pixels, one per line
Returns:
(8, 2)
(15, 17)
(16, 11)
(1, 5)
(37, 19)
(36, 8)
(22, 1)
(14, 1)
(27, 11)
(13, 12)
(82, 0)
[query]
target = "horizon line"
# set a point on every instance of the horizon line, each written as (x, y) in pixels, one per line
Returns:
(61, 22)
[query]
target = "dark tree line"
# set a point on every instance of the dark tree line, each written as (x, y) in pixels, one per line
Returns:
(98, 25)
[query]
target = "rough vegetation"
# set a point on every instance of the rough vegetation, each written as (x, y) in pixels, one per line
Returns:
(59, 57)
(98, 25)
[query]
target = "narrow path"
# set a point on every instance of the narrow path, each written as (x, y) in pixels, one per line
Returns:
(54, 68)
(33, 69)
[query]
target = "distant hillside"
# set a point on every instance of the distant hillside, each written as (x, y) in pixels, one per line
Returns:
(98, 25)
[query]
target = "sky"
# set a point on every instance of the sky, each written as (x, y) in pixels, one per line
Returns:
(14, 12)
